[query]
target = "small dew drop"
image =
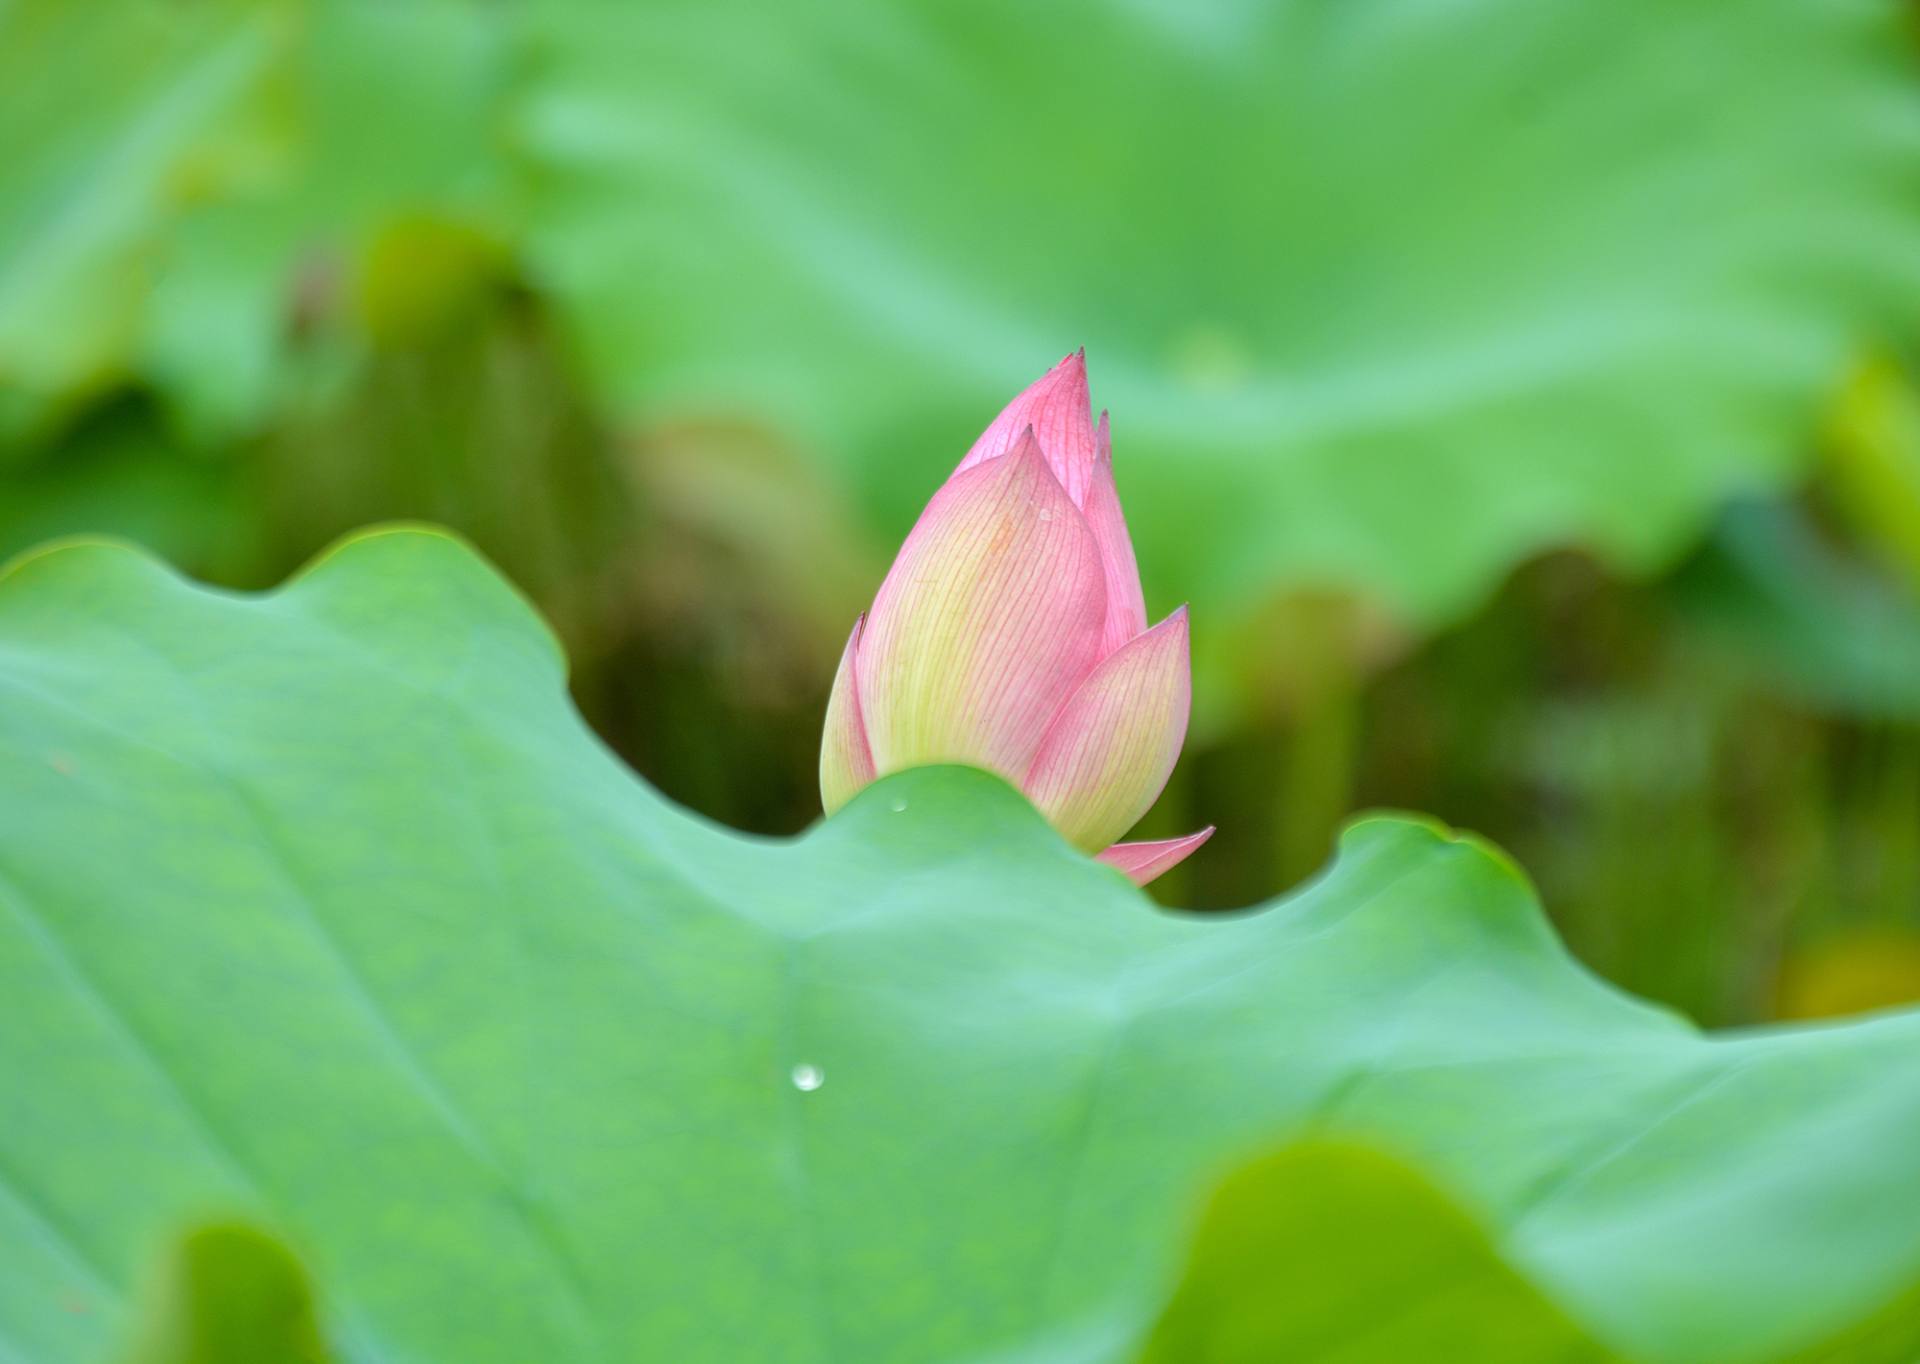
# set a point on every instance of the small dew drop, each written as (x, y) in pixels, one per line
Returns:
(1046, 513)
(899, 805)
(807, 1078)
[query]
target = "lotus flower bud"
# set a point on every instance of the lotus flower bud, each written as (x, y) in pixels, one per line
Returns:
(1011, 634)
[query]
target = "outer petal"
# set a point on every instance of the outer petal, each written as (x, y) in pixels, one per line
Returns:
(987, 622)
(846, 760)
(1060, 412)
(1144, 861)
(1106, 756)
(1126, 606)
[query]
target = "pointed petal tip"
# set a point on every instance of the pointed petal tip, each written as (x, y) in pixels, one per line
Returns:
(1176, 623)
(1026, 446)
(1057, 408)
(1172, 625)
(1142, 862)
(1070, 375)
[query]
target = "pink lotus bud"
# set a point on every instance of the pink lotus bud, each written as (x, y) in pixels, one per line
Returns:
(1011, 634)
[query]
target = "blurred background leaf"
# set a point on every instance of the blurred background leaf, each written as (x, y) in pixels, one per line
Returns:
(1383, 297)
(107, 109)
(1438, 341)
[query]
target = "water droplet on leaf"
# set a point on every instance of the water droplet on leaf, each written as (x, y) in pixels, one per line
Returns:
(899, 805)
(807, 1078)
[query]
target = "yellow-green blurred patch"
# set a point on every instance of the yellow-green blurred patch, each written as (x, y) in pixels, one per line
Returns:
(1873, 968)
(229, 1294)
(1328, 1251)
(422, 276)
(1873, 461)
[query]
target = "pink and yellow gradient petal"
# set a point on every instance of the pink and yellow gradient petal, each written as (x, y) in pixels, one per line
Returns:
(1126, 606)
(1108, 753)
(1143, 861)
(989, 619)
(1011, 634)
(846, 760)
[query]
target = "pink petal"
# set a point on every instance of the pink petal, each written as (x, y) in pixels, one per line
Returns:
(846, 760)
(1107, 755)
(1060, 412)
(1144, 861)
(1126, 606)
(987, 622)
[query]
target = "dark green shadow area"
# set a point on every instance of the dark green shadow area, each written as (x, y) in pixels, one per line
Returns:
(229, 1294)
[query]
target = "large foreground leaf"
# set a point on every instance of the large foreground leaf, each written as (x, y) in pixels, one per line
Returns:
(322, 910)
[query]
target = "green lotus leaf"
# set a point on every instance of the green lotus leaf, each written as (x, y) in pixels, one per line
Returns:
(1384, 297)
(322, 912)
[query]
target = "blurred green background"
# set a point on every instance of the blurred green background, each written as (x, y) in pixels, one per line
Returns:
(1521, 394)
